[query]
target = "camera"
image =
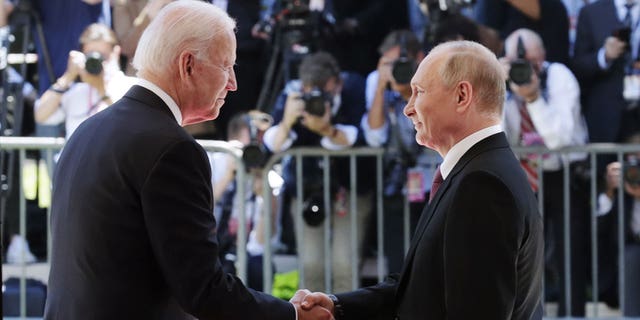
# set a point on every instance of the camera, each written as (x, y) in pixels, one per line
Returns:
(632, 172)
(93, 63)
(623, 34)
(315, 101)
(404, 67)
(521, 69)
(313, 209)
(254, 154)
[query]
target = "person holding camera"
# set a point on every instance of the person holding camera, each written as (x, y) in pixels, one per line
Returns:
(542, 107)
(384, 125)
(244, 131)
(608, 206)
(101, 82)
(322, 109)
(605, 49)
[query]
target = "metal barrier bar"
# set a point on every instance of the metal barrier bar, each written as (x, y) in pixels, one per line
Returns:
(298, 154)
(594, 234)
(328, 222)
(353, 208)
(380, 217)
(50, 144)
(567, 232)
(241, 177)
(621, 233)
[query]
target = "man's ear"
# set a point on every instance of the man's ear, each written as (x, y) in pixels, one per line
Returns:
(463, 95)
(185, 62)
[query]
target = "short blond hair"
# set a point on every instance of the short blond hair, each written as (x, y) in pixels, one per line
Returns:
(470, 61)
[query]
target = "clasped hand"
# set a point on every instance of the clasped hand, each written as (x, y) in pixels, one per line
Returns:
(312, 305)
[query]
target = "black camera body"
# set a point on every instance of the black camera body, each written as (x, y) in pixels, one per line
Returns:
(632, 172)
(315, 101)
(254, 154)
(93, 63)
(403, 70)
(521, 69)
(404, 67)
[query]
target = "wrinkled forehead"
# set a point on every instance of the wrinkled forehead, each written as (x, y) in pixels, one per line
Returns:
(224, 48)
(427, 69)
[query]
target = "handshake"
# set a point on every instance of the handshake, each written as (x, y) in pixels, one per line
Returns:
(313, 305)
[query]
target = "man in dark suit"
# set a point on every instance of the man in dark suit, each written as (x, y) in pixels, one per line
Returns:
(132, 224)
(599, 63)
(477, 252)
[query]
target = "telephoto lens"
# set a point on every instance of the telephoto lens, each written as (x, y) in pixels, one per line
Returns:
(93, 63)
(521, 70)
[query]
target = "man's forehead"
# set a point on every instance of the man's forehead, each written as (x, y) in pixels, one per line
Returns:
(426, 67)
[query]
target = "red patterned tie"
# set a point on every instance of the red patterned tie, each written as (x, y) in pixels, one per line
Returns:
(528, 162)
(437, 181)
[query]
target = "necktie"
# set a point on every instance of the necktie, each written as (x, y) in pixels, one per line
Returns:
(528, 162)
(437, 181)
(627, 18)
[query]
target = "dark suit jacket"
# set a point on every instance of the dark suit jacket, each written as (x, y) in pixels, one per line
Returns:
(602, 101)
(477, 252)
(132, 224)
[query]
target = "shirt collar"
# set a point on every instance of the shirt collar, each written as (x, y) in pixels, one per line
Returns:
(173, 106)
(459, 149)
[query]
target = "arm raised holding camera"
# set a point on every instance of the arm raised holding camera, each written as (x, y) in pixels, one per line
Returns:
(51, 99)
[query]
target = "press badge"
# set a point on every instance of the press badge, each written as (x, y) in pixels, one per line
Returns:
(415, 185)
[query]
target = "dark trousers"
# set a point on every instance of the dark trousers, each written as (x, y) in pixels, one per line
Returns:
(632, 279)
(393, 215)
(578, 249)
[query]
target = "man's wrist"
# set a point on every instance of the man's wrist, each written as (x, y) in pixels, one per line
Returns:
(338, 311)
(60, 86)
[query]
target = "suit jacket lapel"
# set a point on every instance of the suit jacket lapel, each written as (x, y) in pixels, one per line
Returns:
(498, 140)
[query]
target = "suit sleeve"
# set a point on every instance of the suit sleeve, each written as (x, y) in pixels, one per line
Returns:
(585, 57)
(375, 302)
(177, 207)
(481, 240)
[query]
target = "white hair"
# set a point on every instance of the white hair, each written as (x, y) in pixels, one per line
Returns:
(185, 25)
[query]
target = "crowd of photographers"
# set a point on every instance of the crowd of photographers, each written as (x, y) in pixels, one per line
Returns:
(339, 75)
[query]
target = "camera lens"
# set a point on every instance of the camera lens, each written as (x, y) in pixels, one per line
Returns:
(93, 63)
(313, 210)
(314, 102)
(403, 70)
(520, 72)
(253, 156)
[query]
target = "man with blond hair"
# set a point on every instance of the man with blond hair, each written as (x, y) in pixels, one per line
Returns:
(478, 249)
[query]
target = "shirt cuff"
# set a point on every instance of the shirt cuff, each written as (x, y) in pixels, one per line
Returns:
(602, 61)
(604, 204)
(349, 131)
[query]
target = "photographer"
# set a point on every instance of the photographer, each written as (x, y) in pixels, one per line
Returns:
(608, 206)
(244, 132)
(543, 108)
(322, 109)
(101, 81)
(384, 125)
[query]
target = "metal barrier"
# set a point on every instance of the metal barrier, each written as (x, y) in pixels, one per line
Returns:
(51, 145)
